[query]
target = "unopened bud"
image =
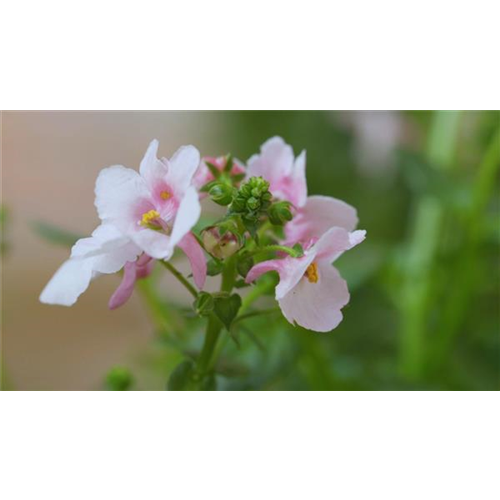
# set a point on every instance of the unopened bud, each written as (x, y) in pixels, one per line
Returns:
(221, 247)
(280, 213)
(221, 193)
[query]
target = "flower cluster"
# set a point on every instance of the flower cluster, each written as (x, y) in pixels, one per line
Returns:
(270, 224)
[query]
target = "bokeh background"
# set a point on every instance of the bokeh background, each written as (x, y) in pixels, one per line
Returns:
(425, 285)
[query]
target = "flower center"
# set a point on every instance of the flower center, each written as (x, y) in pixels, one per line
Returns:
(165, 195)
(312, 273)
(149, 218)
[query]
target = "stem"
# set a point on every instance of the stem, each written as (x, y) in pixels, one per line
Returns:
(423, 248)
(118, 382)
(214, 326)
(190, 288)
(243, 317)
(257, 291)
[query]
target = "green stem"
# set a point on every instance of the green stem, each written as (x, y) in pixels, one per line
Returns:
(190, 288)
(243, 317)
(263, 286)
(214, 326)
(423, 248)
(276, 248)
(118, 382)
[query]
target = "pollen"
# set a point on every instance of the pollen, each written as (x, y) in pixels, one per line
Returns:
(165, 195)
(312, 273)
(149, 217)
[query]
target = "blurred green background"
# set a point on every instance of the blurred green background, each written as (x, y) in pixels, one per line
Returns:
(425, 285)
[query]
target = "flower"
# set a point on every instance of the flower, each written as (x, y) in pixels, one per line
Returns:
(203, 175)
(311, 292)
(285, 173)
(314, 214)
(146, 215)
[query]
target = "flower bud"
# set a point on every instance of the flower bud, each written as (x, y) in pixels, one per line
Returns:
(253, 198)
(280, 213)
(221, 193)
(221, 247)
(204, 304)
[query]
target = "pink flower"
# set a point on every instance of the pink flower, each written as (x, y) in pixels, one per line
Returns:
(203, 175)
(285, 173)
(314, 215)
(149, 213)
(311, 292)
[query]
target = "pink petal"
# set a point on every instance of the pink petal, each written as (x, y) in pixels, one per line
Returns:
(316, 306)
(319, 214)
(126, 287)
(190, 246)
(290, 270)
(276, 164)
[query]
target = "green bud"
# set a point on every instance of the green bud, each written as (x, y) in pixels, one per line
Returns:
(244, 265)
(221, 193)
(280, 213)
(119, 379)
(252, 199)
(204, 304)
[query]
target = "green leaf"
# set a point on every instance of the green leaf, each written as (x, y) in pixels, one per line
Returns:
(226, 309)
(181, 379)
(54, 234)
(213, 169)
(229, 163)
(214, 267)
(204, 304)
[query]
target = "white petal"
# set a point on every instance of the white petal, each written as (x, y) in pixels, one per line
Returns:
(119, 191)
(299, 183)
(316, 306)
(68, 283)
(155, 243)
(182, 167)
(187, 216)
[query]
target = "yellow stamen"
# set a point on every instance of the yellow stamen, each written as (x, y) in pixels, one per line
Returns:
(312, 273)
(149, 217)
(165, 195)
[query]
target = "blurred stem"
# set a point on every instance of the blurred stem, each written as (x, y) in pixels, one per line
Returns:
(163, 317)
(423, 246)
(190, 288)
(257, 291)
(456, 305)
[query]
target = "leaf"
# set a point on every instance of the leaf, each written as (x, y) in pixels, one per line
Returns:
(54, 234)
(181, 378)
(226, 309)
(214, 267)
(213, 169)
(229, 163)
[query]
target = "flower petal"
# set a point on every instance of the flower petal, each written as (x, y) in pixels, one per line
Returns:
(319, 214)
(182, 167)
(119, 192)
(155, 243)
(290, 270)
(274, 161)
(190, 246)
(68, 283)
(126, 287)
(335, 242)
(151, 168)
(316, 306)
(276, 164)
(187, 216)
